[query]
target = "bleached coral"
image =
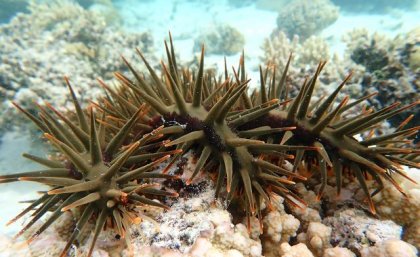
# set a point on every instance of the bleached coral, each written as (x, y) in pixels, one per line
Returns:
(306, 18)
(390, 248)
(279, 227)
(318, 237)
(311, 212)
(338, 252)
(299, 250)
(391, 204)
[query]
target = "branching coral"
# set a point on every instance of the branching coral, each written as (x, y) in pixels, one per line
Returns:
(246, 142)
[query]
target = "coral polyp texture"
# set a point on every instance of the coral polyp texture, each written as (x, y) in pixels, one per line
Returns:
(255, 147)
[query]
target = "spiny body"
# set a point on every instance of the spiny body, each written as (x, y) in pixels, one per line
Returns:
(245, 140)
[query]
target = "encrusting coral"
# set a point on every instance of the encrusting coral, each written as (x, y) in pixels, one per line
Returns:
(253, 146)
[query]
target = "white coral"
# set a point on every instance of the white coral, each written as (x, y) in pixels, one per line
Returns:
(318, 237)
(391, 204)
(390, 248)
(299, 250)
(280, 227)
(338, 252)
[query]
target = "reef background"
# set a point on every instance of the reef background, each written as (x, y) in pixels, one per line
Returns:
(86, 41)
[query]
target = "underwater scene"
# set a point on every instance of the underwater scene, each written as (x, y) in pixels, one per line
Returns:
(231, 128)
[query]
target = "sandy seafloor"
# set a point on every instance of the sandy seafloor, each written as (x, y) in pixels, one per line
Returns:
(184, 20)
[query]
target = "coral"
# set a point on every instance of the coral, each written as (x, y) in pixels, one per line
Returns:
(299, 250)
(194, 227)
(306, 54)
(353, 229)
(369, 50)
(39, 48)
(220, 39)
(279, 227)
(409, 47)
(403, 210)
(306, 18)
(318, 237)
(338, 252)
(390, 248)
(412, 234)
(390, 66)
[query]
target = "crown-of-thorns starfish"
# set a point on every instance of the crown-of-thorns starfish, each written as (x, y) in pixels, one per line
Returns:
(324, 126)
(195, 111)
(220, 117)
(96, 175)
(246, 141)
